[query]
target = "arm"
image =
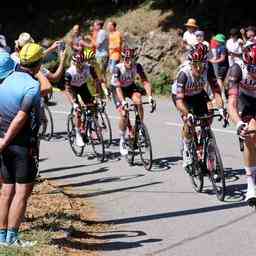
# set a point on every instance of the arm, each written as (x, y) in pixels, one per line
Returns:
(16, 125)
(97, 81)
(144, 79)
(53, 77)
(68, 88)
(52, 48)
(218, 60)
(234, 78)
(45, 85)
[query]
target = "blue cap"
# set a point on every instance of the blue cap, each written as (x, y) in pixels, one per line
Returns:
(7, 65)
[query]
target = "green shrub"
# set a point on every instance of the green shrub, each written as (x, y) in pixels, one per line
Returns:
(161, 85)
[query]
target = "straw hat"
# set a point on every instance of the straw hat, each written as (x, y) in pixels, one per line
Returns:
(191, 23)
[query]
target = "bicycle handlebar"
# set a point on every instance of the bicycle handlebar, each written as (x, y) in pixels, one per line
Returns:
(131, 106)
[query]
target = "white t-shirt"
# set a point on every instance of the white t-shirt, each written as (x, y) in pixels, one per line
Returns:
(234, 47)
(190, 38)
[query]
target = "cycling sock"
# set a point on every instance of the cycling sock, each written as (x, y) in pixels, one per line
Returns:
(253, 171)
(122, 136)
(12, 235)
(3, 233)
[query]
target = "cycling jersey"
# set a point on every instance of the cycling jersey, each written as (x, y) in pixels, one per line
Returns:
(126, 77)
(78, 78)
(187, 85)
(241, 82)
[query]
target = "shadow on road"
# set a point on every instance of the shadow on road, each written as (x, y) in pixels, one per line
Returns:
(74, 175)
(168, 215)
(106, 192)
(164, 163)
(102, 180)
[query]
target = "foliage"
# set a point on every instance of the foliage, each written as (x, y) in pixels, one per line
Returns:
(161, 85)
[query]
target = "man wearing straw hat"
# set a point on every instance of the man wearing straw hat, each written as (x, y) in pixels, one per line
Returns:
(189, 37)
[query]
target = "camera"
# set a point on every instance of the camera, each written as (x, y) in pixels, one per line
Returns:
(61, 46)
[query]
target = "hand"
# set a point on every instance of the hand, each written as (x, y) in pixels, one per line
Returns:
(190, 119)
(223, 113)
(55, 45)
(241, 128)
(124, 104)
(76, 106)
(62, 55)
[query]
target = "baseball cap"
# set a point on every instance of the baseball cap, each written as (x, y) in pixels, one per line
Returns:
(220, 38)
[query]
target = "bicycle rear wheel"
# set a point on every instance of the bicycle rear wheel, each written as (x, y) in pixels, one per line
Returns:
(216, 169)
(145, 147)
(78, 151)
(131, 150)
(96, 139)
(46, 129)
(196, 174)
(106, 129)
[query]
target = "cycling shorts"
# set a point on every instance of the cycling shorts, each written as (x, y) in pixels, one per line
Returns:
(247, 107)
(127, 92)
(197, 104)
(83, 91)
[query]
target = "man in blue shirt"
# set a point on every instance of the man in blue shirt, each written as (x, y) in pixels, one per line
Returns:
(19, 124)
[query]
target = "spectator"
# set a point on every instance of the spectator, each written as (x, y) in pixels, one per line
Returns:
(19, 111)
(76, 38)
(200, 38)
(234, 47)
(101, 47)
(189, 37)
(115, 45)
(3, 44)
(221, 60)
(248, 34)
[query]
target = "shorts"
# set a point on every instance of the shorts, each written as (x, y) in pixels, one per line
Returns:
(103, 64)
(222, 72)
(197, 104)
(18, 165)
(83, 91)
(127, 92)
(247, 107)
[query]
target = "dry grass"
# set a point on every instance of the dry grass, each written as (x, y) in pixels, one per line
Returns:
(59, 224)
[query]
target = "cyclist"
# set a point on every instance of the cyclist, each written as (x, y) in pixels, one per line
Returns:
(189, 95)
(75, 85)
(123, 85)
(90, 59)
(242, 91)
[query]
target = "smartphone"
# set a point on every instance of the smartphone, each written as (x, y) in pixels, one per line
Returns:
(61, 46)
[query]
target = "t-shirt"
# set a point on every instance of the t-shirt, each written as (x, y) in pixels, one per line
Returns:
(190, 38)
(102, 42)
(115, 44)
(234, 47)
(126, 77)
(20, 92)
(221, 50)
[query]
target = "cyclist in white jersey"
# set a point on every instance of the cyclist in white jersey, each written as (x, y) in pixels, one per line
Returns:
(123, 86)
(242, 93)
(75, 84)
(188, 93)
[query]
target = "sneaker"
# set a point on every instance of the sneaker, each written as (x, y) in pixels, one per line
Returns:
(22, 243)
(187, 160)
(79, 140)
(123, 149)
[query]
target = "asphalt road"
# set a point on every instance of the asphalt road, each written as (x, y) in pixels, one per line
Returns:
(157, 212)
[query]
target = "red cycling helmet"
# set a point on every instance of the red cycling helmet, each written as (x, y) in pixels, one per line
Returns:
(249, 55)
(198, 53)
(78, 58)
(128, 53)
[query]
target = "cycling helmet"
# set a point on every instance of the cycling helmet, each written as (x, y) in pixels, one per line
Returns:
(249, 55)
(78, 58)
(89, 54)
(128, 53)
(198, 53)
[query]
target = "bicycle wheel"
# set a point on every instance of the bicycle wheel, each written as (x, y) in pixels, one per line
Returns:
(131, 150)
(46, 129)
(145, 147)
(196, 171)
(78, 151)
(96, 139)
(106, 129)
(215, 169)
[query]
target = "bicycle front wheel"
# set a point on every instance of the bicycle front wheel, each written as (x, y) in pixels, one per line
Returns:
(106, 129)
(96, 139)
(78, 151)
(215, 169)
(145, 147)
(196, 173)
